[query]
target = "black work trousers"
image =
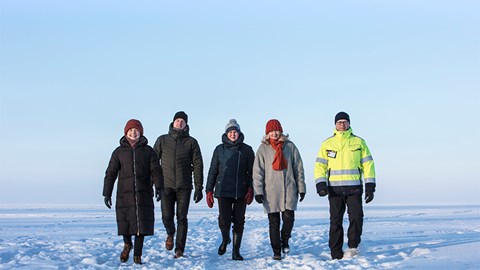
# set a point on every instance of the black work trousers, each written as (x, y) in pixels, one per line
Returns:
(277, 235)
(182, 198)
(231, 210)
(338, 204)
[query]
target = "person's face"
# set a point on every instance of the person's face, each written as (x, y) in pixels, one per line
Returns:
(133, 134)
(179, 123)
(274, 134)
(233, 135)
(342, 125)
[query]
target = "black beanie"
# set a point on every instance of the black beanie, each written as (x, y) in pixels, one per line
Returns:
(181, 114)
(342, 115)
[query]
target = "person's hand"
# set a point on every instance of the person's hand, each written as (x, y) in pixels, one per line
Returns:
(198, 196)
(249, 196)
(369, 190)
(302, 196)
(158, 194)
(210, 199)
(368, 196)
(322, 189)
(259, 198)
(108, 201)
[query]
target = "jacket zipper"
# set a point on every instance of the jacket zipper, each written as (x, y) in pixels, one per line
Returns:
(238, 170)
(175, 162)
(135, 190)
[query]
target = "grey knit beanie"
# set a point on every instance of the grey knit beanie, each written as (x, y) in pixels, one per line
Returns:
(232, 124)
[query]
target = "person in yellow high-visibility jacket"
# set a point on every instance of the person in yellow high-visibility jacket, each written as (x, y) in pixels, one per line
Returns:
(343, 163)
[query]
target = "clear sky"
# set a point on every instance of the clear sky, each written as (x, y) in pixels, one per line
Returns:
(73, 72)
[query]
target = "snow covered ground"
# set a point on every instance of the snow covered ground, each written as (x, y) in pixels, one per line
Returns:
(395, 237)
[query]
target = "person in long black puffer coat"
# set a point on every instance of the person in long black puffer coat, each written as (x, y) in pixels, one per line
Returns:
(136, 165)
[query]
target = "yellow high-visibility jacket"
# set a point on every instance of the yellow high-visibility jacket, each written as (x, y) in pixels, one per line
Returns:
(343, 160)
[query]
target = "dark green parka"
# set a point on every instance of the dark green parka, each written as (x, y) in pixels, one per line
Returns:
(180, 155)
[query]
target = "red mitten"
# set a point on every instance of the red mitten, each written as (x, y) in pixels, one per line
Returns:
(210, 199)
(249, 196)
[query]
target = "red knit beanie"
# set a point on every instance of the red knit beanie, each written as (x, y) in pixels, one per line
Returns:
(272, 125)
(133, 123)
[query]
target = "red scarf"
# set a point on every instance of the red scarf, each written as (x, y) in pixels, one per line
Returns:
(279, 162)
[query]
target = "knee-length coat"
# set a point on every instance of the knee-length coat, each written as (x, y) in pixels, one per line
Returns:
(280, 189)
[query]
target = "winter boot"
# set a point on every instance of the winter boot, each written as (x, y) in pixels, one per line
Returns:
(169, 242)
(137, 259)
(276, 243)
(237, 241)
(178, 254)
(125, 252)
(225, 241)
(277, 255)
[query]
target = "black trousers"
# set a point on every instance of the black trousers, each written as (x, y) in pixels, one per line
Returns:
(276, 235)
(182, 198)
(338, 204)
(138, 247)
(231, 210)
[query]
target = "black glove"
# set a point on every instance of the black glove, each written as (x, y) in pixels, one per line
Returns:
(368, 197)
(302, 196)
(369, 190)
(322, 189)
(198, 196)
(158, 194)
(259, 198)
(108, 201)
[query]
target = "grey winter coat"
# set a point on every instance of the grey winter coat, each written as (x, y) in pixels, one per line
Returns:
(280, 189)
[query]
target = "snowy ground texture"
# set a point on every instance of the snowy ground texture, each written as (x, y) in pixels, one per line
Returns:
(395, 237)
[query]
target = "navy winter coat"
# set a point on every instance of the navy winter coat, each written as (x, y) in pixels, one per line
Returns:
(230, 172)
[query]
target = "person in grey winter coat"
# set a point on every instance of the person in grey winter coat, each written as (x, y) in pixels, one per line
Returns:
(230, 177)
(179, 155)
(278, 182)
(136, 166)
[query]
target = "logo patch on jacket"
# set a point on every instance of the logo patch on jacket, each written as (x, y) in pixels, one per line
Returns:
(331, 153)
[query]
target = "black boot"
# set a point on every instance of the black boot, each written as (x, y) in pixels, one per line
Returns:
(275, 242)
(237, 241)
(277, 255)
(225, 241)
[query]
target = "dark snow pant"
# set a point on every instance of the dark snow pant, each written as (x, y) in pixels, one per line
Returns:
(276, 235)
(355, 217)
(182, 198)
(231, 210)
(138, 247)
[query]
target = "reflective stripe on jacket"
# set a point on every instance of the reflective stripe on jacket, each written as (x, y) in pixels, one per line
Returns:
(343, 160)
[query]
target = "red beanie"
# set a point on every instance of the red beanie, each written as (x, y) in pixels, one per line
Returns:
(133, 123)
(272, 125)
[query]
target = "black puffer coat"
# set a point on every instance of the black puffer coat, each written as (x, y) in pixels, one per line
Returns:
(137, 170)
(230, 171)
(180, 155)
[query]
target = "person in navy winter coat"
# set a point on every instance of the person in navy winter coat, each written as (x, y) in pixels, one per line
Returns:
(136, 166)
(230, 181)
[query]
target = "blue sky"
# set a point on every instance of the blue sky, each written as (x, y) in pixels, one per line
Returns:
(73, 72)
